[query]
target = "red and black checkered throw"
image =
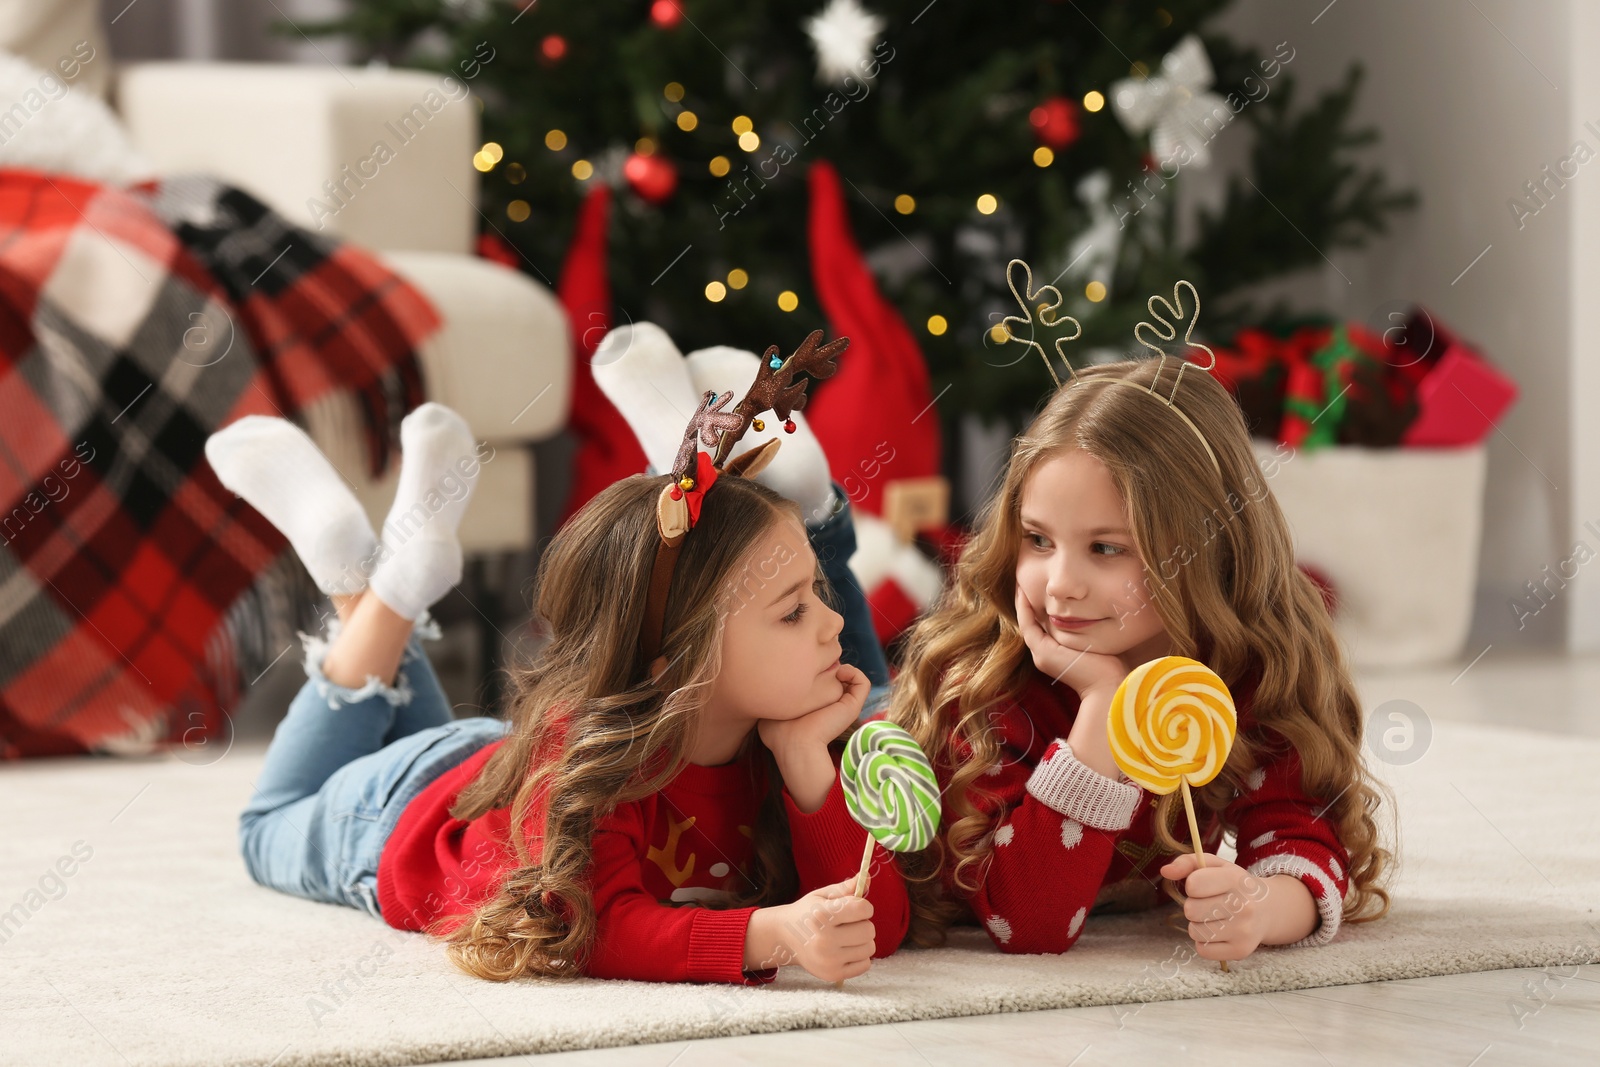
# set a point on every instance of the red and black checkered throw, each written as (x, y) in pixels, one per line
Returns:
(133, 323)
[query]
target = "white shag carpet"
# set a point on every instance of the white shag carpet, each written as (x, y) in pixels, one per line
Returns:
(158, 949)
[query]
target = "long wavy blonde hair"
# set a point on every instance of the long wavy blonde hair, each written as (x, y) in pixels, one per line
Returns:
(1219, 570)
(589, 729)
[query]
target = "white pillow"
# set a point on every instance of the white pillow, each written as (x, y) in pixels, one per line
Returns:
(48, 126)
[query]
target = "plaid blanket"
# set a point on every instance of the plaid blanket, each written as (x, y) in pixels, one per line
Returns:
(135, 591)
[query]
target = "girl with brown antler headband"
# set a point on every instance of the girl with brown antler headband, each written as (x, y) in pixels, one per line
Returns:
(661, 801)
(1132, 523)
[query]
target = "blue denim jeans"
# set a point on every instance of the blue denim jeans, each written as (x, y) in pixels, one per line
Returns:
(341, 768)
(834, 541)
(344, 763)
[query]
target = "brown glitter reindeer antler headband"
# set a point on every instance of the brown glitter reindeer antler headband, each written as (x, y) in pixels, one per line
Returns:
(1048, 312)
(776, 388)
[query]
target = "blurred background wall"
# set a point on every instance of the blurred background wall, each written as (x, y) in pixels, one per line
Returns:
(217, 29)
(1474, 97)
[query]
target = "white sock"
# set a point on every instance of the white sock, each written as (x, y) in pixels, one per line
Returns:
(643, 374)
(800, 469)
(282, 474)
(421, 555)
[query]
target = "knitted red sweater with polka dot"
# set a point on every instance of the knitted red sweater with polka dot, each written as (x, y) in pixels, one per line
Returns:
(1070, 841)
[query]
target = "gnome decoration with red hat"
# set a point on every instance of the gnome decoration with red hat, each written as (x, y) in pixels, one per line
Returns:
(606, 451)
(876, 421)
(872, 428)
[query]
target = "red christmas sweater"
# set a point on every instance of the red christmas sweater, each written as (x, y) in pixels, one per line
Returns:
(662, 866)
(1070, 841)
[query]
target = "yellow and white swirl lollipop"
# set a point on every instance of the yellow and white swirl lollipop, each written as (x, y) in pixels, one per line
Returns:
(1172, 723)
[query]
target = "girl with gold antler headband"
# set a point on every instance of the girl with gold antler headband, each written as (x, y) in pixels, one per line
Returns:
(1132, 523)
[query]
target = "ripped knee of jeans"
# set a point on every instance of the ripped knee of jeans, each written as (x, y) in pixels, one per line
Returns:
(399, 694)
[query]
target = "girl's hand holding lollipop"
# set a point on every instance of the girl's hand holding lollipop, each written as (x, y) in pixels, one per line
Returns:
(891, 790)
(1172, 723)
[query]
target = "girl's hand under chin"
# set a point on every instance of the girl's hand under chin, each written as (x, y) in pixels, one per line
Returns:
(1084, 670)
(1094, 676)
(800, 745)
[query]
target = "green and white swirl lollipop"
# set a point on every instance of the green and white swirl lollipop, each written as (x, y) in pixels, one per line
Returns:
(890, 788)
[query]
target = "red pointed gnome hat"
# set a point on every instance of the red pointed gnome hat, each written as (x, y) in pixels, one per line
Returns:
(607, 449)
(875, 417)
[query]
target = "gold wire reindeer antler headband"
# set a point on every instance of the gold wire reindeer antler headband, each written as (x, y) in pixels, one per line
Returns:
(1048, 312)
(694, 472)
(1048, 316)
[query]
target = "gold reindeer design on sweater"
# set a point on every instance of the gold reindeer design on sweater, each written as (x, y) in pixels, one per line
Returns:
(665, 856)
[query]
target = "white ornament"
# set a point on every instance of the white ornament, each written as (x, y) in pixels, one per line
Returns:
(1175, 104)
(843, 34)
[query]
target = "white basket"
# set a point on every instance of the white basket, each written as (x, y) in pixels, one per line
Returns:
(1397, 532)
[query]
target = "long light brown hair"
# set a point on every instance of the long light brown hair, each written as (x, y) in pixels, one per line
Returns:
(1220, 572)
(589, 729)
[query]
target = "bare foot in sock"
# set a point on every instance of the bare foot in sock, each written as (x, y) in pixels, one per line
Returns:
(280, 472)
(421, 554)
(800, 469)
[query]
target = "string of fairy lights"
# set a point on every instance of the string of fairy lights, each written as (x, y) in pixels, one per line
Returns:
(1053, 120)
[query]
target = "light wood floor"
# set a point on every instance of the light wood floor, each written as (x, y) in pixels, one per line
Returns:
(1458, 1020)
(1467, 1020)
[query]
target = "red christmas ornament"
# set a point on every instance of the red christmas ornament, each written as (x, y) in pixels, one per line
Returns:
(788, 426)
(553, 47)
(1055, 122)
(666, 14)
(654, 179)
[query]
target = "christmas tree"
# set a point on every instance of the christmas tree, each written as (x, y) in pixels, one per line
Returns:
(964, 134)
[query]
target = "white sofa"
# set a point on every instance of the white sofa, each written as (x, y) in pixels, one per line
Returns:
(502, 357)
